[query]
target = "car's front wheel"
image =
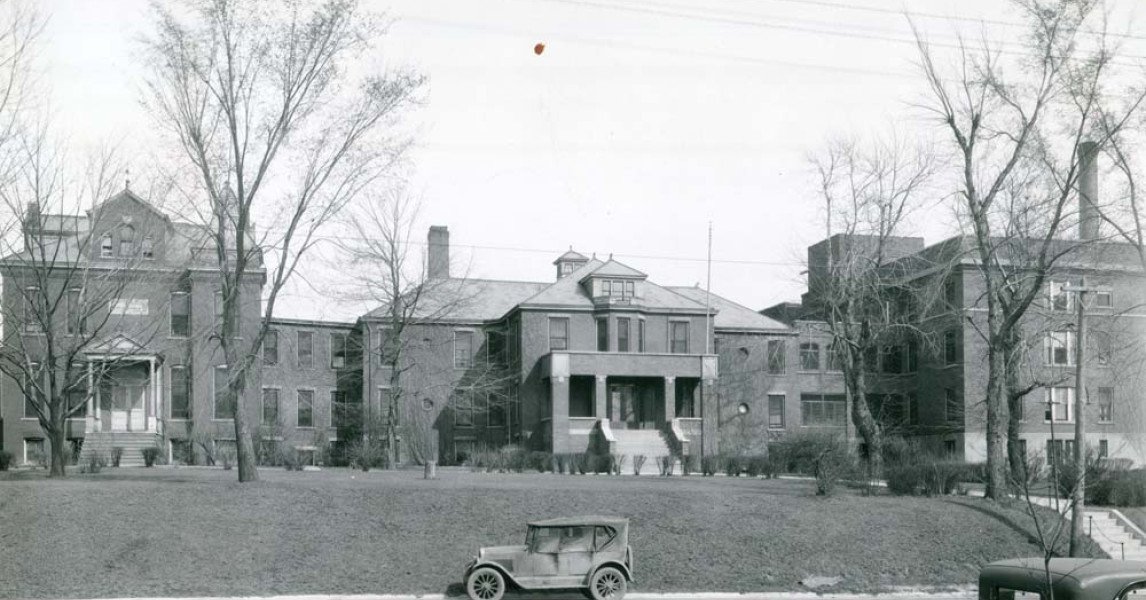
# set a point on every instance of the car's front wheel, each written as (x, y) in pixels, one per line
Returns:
(608, 583)
(485, 584)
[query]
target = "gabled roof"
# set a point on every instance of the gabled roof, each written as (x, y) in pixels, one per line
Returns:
(613, 268)
(117, 344)
(571, 256)
(466, 299)
(731, 315)
(128, 195)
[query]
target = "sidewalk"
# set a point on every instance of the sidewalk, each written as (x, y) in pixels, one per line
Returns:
(954, 593)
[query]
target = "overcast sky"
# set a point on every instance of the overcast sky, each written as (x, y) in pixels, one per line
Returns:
(641, 122)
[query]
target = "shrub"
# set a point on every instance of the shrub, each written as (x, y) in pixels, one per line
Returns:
(602, 463)
(227, 457)
(689, 464)
(116, 455)
(824, 456)
(930, 475)
(1065, 473)
(1119, 488)
(5, 460)
(638, 463)
(290, 459)
(512, 458)
(710, 465)
(360, 454)
(616, 463)
(96, 463)
(558, 464)
(584, 462)
(757, 465)
(731, 465)
(665, 464)
(150, 455)
(540, 461)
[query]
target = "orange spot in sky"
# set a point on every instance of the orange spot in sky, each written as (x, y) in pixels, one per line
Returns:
(539, 48)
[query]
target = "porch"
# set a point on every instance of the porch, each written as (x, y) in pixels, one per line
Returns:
(126, 395)
(610, 393)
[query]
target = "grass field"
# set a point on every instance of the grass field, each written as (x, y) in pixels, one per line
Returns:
(195, 532)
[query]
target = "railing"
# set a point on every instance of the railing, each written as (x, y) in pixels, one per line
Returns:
(602, 439)
(677, 440)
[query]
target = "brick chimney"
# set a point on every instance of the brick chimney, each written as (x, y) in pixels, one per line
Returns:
(438, 255)
(1088, 217)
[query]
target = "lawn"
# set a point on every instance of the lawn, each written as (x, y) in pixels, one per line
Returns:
(195, 532)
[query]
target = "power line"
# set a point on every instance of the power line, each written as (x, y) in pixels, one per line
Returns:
(797, 28)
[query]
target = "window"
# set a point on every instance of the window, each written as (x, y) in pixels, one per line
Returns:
(1104, 300)
(623, 334)
(31, 390)
(949, 447)
(602, 335)
(220, 306)
(77, 320)
(383, 339)
(34, 452)
(338, 407)
(224, 409)
(1103, 449)
(558, 333)
(893, 359)
(127, 241)
(1059, 450)
(338, 340)
(834, 359)
(912, 356)
(775, 411)
(952, 407)
(180, 392)
(1060, 405)
(306, 408)
(180, 314)
(602, 536)
(1060, 348)
(496, 411)
(270, 406)
(1023, 448)
(146, 247)
(950, 348)
(823, 410)
(495, 347)
(271, 348)
(463, 410)
(912, 409)
(305, 349)
(33, 313)
(640, 335)
(776, 353)
(1059, 299)
(679, 341)
(951, 292)
(617, 288)
(463, 349)
(1105, 405)
(809, 356)
(106, 249)
(566, 268)
(630, 287)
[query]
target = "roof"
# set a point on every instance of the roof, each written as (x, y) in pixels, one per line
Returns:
(613, 268)
(568, 292)
(1073, 578)
(574, 521)
(467, 299)
(571, 256)
(731, 315)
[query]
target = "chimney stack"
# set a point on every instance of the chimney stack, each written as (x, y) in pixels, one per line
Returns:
(438, 259)
(1088, 217)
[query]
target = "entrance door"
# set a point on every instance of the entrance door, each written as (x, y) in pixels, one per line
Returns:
(136, 394)
(119, 408)
(622, 396)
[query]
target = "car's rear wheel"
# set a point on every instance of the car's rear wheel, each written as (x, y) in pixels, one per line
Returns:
(608, 583)
(485, 584)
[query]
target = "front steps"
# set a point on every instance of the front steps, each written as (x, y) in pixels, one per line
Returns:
(649, 443)
(1113, 535)
(132, 443)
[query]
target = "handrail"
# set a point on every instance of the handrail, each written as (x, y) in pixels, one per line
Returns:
(1137, 531)
(678, 433)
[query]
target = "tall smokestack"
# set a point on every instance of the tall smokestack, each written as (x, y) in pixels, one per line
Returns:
(438, 259)
(1088, 217)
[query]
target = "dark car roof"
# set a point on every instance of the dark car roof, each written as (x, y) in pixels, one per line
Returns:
(1073, 578)
(574, 521)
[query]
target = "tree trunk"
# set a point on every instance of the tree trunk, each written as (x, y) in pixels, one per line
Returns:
(58, 443)
(996, 423)
(244, 446)
(430, 469)
(865, 424)
(1016, 461)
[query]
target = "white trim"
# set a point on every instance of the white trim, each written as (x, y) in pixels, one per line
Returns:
(768, 411)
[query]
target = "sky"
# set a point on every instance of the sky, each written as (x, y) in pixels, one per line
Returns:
(640, 124)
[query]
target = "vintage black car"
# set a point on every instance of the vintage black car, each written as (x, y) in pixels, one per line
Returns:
(1070, 579)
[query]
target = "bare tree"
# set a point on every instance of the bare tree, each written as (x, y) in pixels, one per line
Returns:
(268, 106)
(861, 292)
(412, 343)
(60, 297)
(1015, 128)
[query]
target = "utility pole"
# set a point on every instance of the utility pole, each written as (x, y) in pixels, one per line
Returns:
(1078, 493)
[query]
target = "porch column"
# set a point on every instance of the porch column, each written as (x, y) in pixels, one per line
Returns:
(559, 417)
(95, 393)
(601, 398)
(90, 419)
(670, 398)
(149, 406)
(159, 394)
(710, 414)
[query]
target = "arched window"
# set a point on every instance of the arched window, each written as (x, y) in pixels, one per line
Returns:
(127, 241)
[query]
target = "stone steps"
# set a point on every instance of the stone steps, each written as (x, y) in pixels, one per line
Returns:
(643, 442)
(132, 443)
(1113, 536)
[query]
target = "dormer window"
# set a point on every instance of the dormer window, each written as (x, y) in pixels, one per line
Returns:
(146, 247)
(127, 241)
(618, 288)
(106, 250)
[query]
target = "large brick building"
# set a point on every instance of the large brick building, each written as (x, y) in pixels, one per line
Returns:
(600, 348)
